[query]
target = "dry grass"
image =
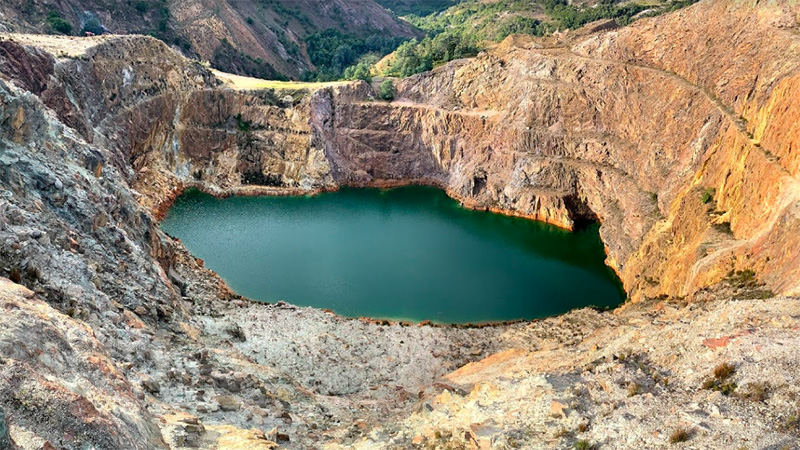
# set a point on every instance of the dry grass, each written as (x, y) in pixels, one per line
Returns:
(59, 46)
(681, 434)
(756, 392)
(239, 82)
(724, 371)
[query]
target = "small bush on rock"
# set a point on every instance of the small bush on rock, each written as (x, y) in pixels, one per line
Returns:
(681, 434)
(708, 195)
(387, 90)
(719, 382)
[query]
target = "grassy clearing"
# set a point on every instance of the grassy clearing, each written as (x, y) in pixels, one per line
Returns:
(247, 83)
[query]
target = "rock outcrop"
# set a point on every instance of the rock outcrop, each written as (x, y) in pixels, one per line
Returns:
(676, 133)
(613, 126)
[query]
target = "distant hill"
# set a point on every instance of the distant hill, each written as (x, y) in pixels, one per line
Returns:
(265, 38)
(417, 7)
(468, 26)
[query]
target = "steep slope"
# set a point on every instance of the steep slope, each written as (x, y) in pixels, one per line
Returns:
(617, 126)
(606, 126)
(263, 38)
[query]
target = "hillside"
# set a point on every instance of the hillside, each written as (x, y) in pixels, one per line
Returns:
(265, 38)
(468, 27)
(416, 7)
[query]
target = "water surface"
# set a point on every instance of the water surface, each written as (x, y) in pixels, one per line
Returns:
(409, 253)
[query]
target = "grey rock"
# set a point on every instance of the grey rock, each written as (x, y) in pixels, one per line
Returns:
(5, 438)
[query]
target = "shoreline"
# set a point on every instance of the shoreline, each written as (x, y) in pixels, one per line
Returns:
(265, 191)
(160, 210)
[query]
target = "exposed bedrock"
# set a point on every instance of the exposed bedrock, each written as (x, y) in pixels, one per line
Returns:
(683, 147)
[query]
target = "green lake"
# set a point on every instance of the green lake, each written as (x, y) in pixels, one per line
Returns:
(409, 253)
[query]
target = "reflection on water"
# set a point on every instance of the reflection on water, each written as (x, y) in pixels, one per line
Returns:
(407, 253)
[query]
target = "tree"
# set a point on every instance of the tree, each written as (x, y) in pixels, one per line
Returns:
(387, 90)
(58, 24)
(360, 71)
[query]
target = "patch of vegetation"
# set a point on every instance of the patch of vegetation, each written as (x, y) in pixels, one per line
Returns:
(387, 90)
(142, 7)
(583, 445)
(416, 56)
(466, 28)
(747, 286)
(707, 195)
(792, 423)
(333, 51)
(681, 434)
(416, 7)
(742, 278)
(720, 380)
(453, 29)
(243, 125)
(58, 24)
(651, 281)
(756, 391)
(724, 371)
(360, 71)
(92, 25)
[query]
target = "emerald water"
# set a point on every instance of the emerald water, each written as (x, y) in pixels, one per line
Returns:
(408, 253)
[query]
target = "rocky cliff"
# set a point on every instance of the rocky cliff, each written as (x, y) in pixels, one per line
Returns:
(677, 134)
(604, 126)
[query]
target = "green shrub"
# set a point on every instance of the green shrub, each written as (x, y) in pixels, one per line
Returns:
(58, 24)
(707, 195)
(93, 26)
(243, 125)
(387, 90)
(583, 445)
(142, 7)
(360, 71)
(719, 382)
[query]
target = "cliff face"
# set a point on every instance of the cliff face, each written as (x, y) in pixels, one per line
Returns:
(626, 126)
(630, 126)
(688, 162)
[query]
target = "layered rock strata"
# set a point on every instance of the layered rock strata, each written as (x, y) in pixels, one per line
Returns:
(618, 126)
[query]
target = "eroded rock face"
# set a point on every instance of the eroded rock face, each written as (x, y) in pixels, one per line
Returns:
(617, 126)
(60, 384)
(5, 438)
